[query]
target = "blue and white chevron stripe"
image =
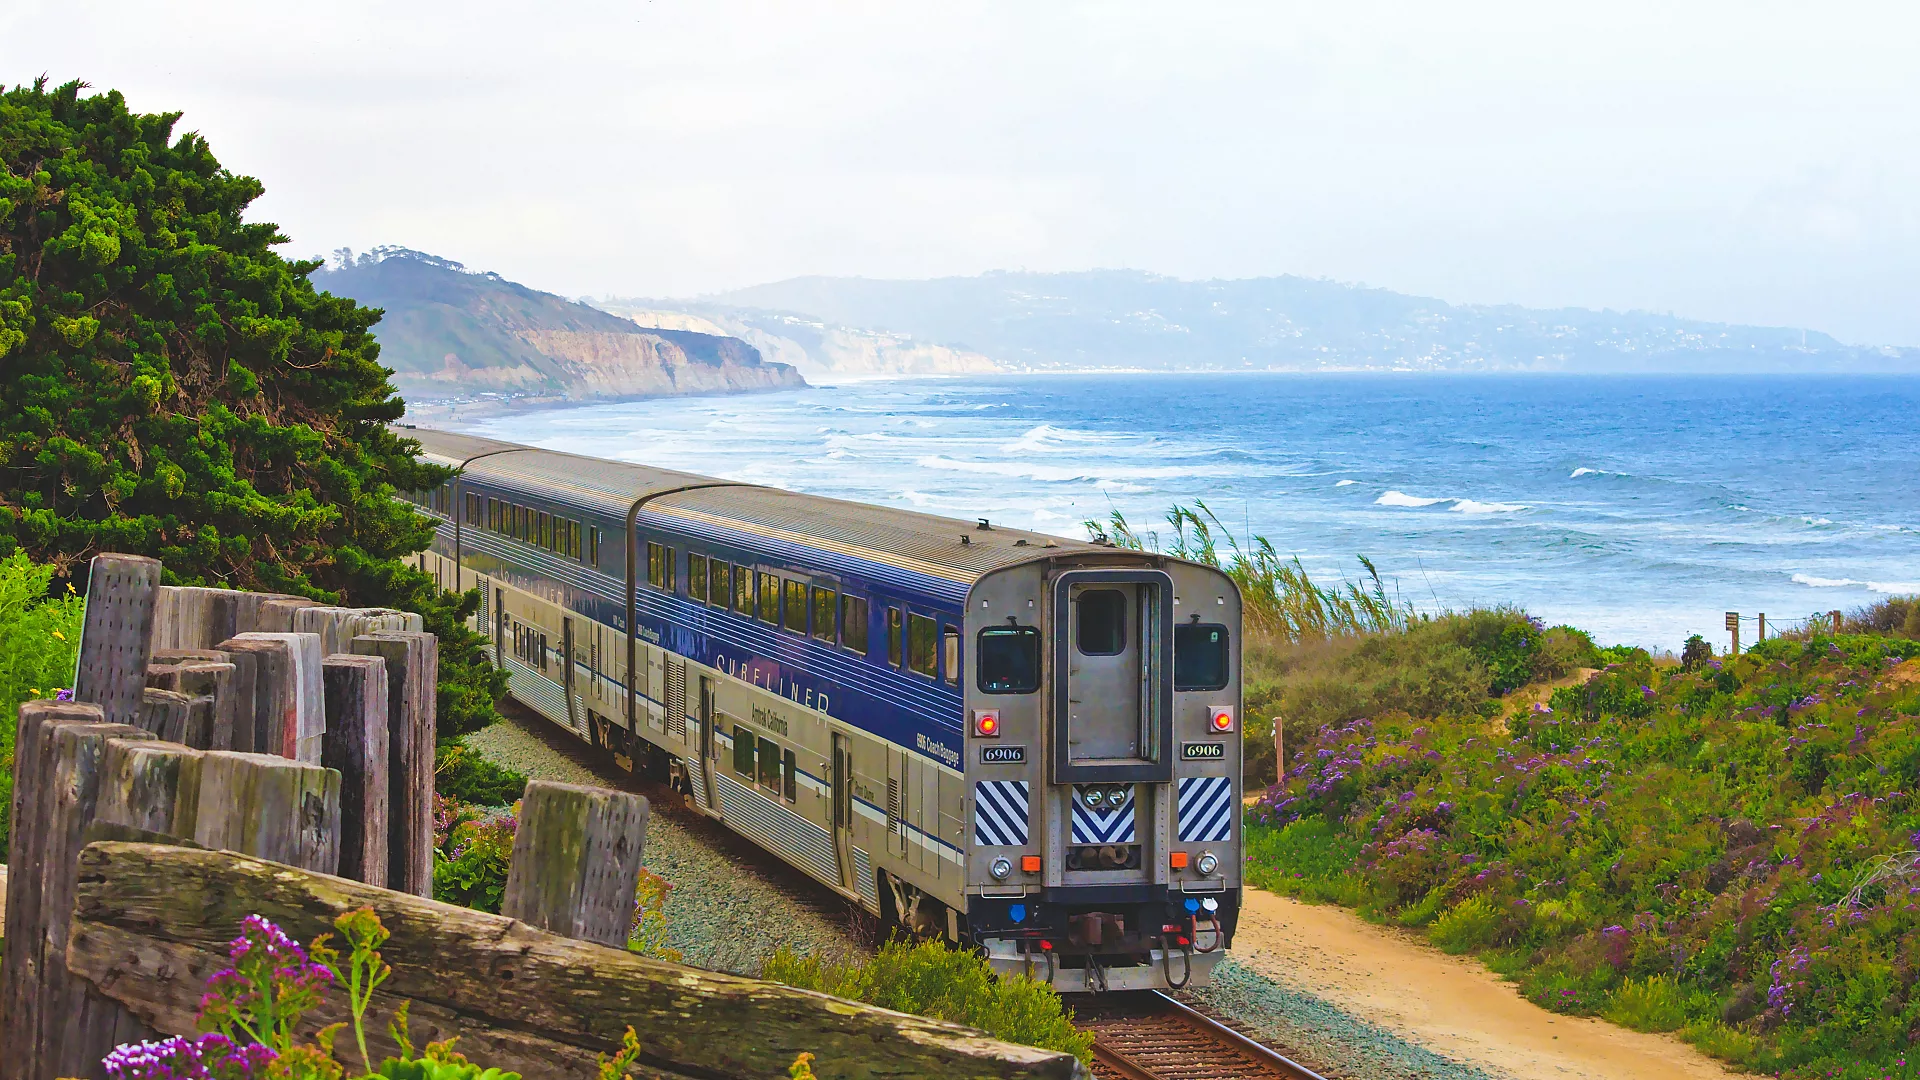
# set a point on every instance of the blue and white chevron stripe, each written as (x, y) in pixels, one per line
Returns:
(1104, 826)
(1000, 812)
(1206, 809)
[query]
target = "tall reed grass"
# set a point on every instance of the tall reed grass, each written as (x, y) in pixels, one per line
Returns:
(1281, 603)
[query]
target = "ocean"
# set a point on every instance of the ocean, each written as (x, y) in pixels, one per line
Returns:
(1639, 509)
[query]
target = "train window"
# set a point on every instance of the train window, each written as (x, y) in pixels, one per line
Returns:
(823, 614)
(796, 608)
(493, 515)
(853, 623)
(1101, 617)
(543, 652)
(1009, 660)
(719, 590)
(519, 522)
(769, 764)
(922, 644)
(697, 576)
(769, 599)
(658, 556)
(743, 591)
(893, 636)
(743, 741)
(1199, 656)
(789, 782)
(950, 655)
(593, 546)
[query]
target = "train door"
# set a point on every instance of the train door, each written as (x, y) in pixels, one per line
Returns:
(566, 675)
(708, 744)
(1105, 675)
(843, 809)
(897, 794)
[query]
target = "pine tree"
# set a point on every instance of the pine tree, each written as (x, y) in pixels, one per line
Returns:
(169, 386)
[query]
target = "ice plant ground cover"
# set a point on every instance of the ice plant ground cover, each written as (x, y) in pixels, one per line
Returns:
(1727, 851)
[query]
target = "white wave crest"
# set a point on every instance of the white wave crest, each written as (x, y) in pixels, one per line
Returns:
(1469, 506)
(1060, 474)
(1459, 505)
(1047, 439)
(1346, 483)
(1578, 473)
(1888, 587)
(1401, 498)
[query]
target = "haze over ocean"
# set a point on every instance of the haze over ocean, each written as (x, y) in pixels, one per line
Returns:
(1637, 508)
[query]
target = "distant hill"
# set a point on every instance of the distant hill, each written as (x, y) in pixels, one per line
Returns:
(819, 350)
(453, 335)
(1130, 319)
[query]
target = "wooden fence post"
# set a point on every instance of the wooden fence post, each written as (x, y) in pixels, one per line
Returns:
(289, 712)
(270, 807)
(164, 713)
(576, 861)
(57, 769)
(117, 636)
(356, 746)
(1733, 627)
(276, 615)
(215, 680)
(1835, 615)
(413, 672)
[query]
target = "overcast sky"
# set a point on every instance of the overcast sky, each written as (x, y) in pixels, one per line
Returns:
(1747, 161)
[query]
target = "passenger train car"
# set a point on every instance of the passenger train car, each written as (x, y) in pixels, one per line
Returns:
(1026, 744)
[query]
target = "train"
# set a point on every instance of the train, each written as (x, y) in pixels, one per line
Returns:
(1025, 744)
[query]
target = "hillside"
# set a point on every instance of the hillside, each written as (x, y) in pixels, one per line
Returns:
(817, 349)
(452, 335)
(1130, 319)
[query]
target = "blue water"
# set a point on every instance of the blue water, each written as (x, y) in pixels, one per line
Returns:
(1640, 509)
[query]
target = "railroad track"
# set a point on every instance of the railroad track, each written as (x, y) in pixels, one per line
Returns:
(1146, 1035)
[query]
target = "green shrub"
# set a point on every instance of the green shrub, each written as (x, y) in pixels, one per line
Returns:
(1307, 859)
(463, 776)
(473, 854)
(1467, 926)
(39, 642)
(930, 979)
(1655, 1003)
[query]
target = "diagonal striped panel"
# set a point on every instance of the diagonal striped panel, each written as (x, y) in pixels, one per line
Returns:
(1104, 826)
(1000, 813)
(1206, 809)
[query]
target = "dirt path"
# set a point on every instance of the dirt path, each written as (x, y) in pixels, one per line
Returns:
(1453, 1005)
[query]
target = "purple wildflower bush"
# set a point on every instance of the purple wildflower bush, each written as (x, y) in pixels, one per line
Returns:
(1669, 848)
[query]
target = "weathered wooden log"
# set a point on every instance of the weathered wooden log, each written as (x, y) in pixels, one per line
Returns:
(289, 710)
(117, 637)
(270, 807)
(356, 746)
(413, 667)
(152, 922)
(203, 678)
(275, 616)
(576, 861)
(150, 785)
(338, 626)
(164, 713)
(57, 767)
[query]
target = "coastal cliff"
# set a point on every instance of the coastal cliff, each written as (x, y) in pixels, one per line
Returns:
(816, 349)
(455, 336)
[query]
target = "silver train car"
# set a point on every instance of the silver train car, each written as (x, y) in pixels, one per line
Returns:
(1026, 744)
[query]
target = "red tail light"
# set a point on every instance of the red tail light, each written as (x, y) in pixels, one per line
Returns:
(1220, 718)
(986, 723)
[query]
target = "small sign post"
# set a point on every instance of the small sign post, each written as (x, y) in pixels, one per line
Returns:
(1733, 627)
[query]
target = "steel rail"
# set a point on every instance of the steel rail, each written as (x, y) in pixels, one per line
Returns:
(1131, 1054)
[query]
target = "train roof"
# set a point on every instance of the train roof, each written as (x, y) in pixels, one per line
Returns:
(928, 543)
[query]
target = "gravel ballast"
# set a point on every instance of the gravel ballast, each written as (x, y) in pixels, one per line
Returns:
(731, 905)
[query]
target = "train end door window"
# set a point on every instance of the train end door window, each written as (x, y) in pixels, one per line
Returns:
(825, 607)
(1009, 659)
(1101, 622)
(719, 589)
(1200, 656)
(853, 623)
(697, 576)
(769, 599)
(894, 632)
(796, 607)
(923, 645)
(743, 743)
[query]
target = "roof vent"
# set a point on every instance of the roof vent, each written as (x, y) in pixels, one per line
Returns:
(1022, 542)
(984, 526)
(965, 539)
